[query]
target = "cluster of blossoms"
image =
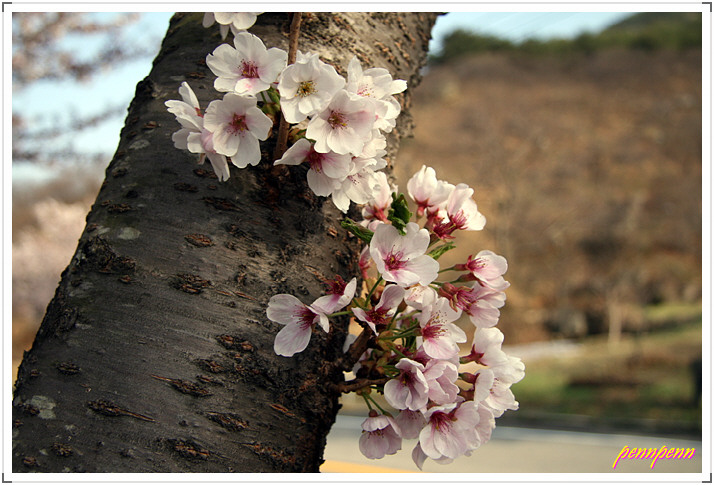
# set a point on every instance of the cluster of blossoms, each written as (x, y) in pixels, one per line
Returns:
(410, 341)
(409, 347)
(341, 122)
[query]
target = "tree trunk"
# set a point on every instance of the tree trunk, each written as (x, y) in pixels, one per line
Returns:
(155, 354)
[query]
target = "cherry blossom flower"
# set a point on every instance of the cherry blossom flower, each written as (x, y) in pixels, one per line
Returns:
(203, 143)
(236, 22)
(380, 436)
(400, 258)
(500, 399)
(462, 213)
(441, 378)
(480, 303)
(327, 170)
(375, 148)
(450, 430)
(340, 294)
(419, 297)
(299, 320)
(440, 337)
(188, 114)
(462, 210)
(486, 424)
(379, 316)
(486, 348)
(248, 68)
(193, 136)
(428, 192)
(483, 381)
(357, 186)
(381, 200)
(409, 423)
(486, 267)
(307, 87)
(237, 124)
(376, 84)
(188, 107)
(410, 389)
(345, 126)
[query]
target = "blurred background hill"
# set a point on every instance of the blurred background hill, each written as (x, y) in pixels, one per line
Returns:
(585, 157)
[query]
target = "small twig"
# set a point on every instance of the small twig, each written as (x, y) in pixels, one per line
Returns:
(282, 142)
(357, 348)
(293, 39)
(356, 384)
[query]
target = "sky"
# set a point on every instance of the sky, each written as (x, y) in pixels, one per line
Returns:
(55, 102)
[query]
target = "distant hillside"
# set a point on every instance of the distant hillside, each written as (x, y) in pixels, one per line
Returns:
(646, 20)
(588, 169)
(643, 31)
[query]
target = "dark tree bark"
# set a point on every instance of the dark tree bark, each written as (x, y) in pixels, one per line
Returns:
(155, 354)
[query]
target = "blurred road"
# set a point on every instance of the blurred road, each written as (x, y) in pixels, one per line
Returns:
(515, 450)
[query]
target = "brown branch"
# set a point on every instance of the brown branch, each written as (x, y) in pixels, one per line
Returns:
(282, 142)
(357, 348)
(356, 384)
(293, 39)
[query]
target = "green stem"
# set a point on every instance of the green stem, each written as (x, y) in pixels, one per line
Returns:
(399, 353)
(338, 314)
(375, 403)
(369, 295)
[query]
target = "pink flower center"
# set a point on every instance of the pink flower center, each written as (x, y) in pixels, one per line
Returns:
(458, 219)
(378, 316)
(459, 297)
(433, 330)
(305, 317)
(440, 421)
(407, 379)
(249, 69)
(336, 286)
(237, 124)
(306, 88)
(394, 261)
(465, 299)
(337, 120)
(476, 264)
(365, 90)
(315, 160)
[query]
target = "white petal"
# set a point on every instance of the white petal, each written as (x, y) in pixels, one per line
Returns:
(391, 297)
(282, 308)
(320, 183)
(258, 123)
(293, 338)
(220, 166)
(296, 154)
(248, 152)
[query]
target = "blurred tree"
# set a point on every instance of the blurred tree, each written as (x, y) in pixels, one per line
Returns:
(57, 46)
(155, 354)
